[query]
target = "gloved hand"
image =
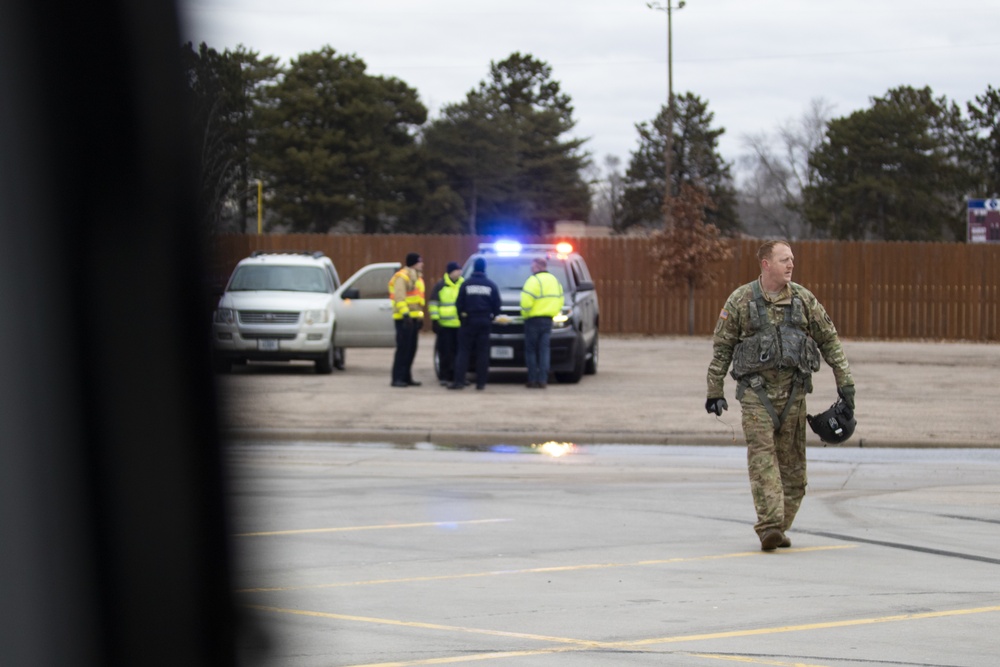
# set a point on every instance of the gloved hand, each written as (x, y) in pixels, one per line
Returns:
(716, 405)
(847, 393)
(435, 326)
(418, 323)
(407, 322)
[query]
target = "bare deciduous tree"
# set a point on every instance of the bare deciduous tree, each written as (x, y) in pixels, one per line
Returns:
(779, 171)
(606, 190)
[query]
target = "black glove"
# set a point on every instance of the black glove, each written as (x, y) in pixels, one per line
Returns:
(435, 326)
(847, 393)
(407, 322)
(419, 323)
(716, 405)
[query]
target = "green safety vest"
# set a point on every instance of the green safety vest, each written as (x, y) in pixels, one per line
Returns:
(541, 296)
(443, 309)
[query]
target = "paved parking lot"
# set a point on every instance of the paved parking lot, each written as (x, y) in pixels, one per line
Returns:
(381, 555)
(647, 390)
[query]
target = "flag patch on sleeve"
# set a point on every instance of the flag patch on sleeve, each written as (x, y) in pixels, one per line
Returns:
(724, 315)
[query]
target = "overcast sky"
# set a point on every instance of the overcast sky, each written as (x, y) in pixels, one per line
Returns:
(758, 63)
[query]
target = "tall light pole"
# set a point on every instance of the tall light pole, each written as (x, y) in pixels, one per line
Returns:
(668, 150)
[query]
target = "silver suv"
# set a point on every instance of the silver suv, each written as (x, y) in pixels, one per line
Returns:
(574, 341)
(278, 307)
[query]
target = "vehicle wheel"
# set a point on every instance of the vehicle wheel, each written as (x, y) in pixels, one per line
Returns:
(339, 358)
(324, 365)
(573, 376)
(591, 367)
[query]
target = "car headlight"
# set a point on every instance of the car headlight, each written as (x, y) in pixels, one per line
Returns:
(563, 319)
(317, 316)
(225, 315)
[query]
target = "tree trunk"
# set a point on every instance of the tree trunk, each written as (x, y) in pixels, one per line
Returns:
(472, 210)
(690, 307)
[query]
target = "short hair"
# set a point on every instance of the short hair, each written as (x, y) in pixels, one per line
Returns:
(767, 248)
(541, 261)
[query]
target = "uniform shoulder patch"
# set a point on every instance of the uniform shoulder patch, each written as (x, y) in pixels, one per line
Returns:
(724, 315)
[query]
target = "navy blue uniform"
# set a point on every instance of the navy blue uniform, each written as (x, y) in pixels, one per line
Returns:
(478, 303)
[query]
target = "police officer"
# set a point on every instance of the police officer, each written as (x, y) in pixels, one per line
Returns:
(444, 320)
(541, 300)
(478, 303)
(406, 289)
(773, 331)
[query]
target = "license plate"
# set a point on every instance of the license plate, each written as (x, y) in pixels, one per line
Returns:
(267, 344)
(501, 352)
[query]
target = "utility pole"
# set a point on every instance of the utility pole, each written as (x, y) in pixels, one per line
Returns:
(260, 207)
(668, 150)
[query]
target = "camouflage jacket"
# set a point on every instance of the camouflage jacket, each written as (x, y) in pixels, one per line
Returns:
(734, 326)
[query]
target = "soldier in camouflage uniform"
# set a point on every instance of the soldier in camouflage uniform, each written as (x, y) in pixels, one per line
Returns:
(773, 331)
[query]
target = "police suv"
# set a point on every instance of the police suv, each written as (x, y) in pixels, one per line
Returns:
(574, 341)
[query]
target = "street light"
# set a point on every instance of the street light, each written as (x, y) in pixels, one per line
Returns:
(668, 150)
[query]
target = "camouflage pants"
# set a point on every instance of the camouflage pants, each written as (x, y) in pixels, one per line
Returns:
(776, 460)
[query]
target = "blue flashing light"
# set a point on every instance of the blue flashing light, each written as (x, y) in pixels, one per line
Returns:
(507, 248)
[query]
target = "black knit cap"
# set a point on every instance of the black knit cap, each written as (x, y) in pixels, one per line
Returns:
(452, 266)
(479, 264)
(412, 258)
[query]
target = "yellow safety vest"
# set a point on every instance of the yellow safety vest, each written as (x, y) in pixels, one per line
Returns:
(443, 310)
(410, 303)
(541, 296)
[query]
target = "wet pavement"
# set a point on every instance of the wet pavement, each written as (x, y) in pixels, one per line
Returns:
(357, 554)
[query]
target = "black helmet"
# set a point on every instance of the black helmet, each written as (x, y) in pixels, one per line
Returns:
(835, 425)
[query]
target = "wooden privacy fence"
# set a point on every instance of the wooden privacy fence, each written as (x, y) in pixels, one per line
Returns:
(871, 289)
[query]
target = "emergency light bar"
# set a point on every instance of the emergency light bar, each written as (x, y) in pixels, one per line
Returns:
(511, 248)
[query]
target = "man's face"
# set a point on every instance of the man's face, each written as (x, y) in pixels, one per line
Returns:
(777, 269)
(454, 275)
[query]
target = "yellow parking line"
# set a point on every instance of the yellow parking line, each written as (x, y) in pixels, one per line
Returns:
(537, 570)
(472, 658)
(346, 529)
(805, 627)
(582, 644)
(752, 661)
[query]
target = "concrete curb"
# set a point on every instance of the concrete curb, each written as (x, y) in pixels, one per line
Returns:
(488, 438)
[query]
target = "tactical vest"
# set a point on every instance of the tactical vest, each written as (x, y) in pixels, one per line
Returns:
(787, 345)
(769, 346)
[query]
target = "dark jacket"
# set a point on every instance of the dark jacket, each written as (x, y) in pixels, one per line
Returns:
(478, 298)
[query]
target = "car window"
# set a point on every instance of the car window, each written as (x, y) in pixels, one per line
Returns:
(511, 272)
(374, 284)
(280, 278)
